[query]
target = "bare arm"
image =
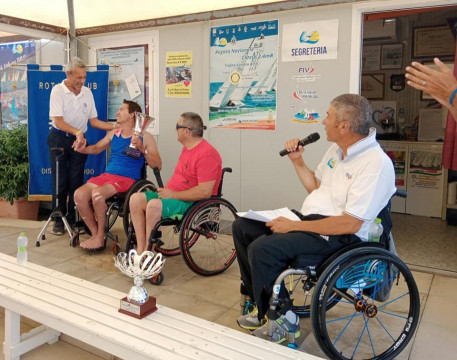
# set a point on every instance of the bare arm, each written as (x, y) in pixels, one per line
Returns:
(61, 124)
(102, 125)
(149, 149)
(305, 175)
(438, 83)
(333, 225)
(201, 191)
(97, 148)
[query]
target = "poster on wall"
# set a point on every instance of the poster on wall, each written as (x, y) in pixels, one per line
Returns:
(398, 153)
(126, 76)
(425, 168)
(243, 76)
(13, 81)
(314, 40)
(178, 81)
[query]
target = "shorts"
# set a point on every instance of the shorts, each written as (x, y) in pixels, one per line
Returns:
(120, 183)
(170, 207)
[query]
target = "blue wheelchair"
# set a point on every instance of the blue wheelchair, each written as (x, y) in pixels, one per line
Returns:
(363, 301)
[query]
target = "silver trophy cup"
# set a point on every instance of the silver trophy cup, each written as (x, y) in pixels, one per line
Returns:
(142, 121)
(139, 267)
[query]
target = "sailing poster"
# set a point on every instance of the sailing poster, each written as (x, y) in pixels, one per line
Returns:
(178, 74)
(243, 76)
(126, 76)
(13, 81)
(314, 40)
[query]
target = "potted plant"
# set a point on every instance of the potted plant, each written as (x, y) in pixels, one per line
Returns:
(14, 175)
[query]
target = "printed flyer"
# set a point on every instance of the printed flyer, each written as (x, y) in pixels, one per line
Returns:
(179, 74)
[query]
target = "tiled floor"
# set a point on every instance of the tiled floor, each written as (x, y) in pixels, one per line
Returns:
(215, 298)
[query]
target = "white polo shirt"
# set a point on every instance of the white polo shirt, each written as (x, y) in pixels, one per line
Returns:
(360, 185)
(75, 109)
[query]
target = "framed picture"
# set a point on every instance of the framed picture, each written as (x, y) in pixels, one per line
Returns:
(372, 86)
(371, 58)
(435, 41)
(391, 56)
(431, 64)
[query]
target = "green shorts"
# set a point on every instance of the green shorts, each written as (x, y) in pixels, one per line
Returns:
(170, 207)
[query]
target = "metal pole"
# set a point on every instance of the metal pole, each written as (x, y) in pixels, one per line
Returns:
(71, 35)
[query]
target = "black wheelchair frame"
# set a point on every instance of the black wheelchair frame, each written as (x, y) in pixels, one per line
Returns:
(203, 235)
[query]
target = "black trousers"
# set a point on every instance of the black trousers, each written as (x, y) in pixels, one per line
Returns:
(263, 255)
(71, 172)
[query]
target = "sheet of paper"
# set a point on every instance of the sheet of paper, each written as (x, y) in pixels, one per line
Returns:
(133, 86)
(268, 215)
(430, 125)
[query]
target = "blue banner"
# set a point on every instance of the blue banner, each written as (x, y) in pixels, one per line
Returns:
(39, 85)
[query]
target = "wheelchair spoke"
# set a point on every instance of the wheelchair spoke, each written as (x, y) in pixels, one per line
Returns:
(385, 329)
(206, 237)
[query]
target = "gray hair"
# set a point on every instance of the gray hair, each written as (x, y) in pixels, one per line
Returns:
(74, 63)
(195, 122)
(355, 109)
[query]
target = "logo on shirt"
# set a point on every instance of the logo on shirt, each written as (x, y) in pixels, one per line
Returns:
(331, 163)
(349, 176)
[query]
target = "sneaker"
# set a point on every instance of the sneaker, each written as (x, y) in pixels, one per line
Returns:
(58, 228)
(250, 321)
(281, 328)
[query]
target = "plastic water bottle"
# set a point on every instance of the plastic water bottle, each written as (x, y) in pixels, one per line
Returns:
(22, 249)
(375, 231)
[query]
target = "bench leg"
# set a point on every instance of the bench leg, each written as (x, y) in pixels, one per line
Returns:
(12, 333)
(15, 345)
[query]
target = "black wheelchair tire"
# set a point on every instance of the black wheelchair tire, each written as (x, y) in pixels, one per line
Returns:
(198, 226)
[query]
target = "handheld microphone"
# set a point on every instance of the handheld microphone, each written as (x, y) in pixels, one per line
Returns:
(303, 142)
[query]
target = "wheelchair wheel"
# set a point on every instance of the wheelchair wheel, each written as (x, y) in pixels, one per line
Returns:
(168, 244)
(300, 291)
(139, 186)
(301, 299)
(359, 326)
(206, 240)
(156, 280)
(113, 213)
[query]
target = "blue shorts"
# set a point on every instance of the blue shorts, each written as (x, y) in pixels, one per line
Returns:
(170, 207)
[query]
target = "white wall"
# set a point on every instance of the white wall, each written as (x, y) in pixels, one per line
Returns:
(261, 179)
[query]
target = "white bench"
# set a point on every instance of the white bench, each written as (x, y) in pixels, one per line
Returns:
(89, 313)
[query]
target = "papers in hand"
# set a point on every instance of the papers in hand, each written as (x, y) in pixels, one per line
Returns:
(268, 215)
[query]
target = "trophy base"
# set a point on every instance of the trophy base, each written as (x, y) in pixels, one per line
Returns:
(138, 311)
(132, 152)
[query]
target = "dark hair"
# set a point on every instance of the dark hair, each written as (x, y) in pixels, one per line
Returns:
(195, 122)
(355, 109)
(133, 106)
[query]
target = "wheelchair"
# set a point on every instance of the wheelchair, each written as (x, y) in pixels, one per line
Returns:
(118, 205)
(363, 301)
(203, 235)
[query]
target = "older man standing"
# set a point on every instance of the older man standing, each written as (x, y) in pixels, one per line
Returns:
(71, 106)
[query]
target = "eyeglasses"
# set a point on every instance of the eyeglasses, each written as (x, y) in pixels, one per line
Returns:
(183, 127)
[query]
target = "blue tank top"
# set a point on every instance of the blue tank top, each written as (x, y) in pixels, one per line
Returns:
(123, 165)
